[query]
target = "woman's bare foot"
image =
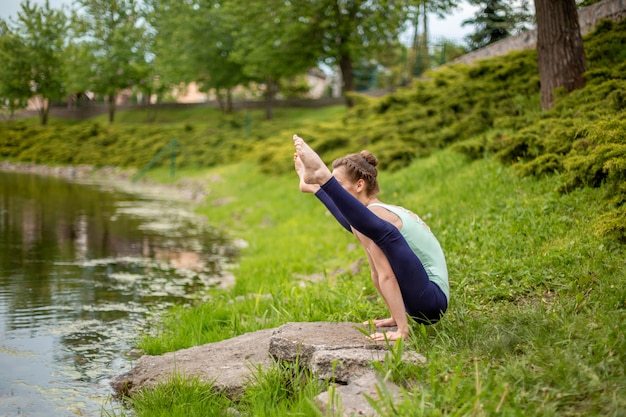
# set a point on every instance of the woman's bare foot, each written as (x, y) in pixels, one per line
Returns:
(390, 322)
(304, 187)
(315, 171)
(388, 336)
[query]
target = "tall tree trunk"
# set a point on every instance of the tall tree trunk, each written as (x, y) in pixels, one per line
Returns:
(424, 52)
(560, 51)
(420, 60)
(220, 99)
(111, 108)
(347, 73)
(270, 93)
(415, 44)
(44, 111)
(229, 100)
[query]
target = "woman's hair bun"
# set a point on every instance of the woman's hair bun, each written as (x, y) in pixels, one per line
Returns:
(369, 157)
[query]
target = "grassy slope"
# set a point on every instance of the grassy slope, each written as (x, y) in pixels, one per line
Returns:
(536, 323)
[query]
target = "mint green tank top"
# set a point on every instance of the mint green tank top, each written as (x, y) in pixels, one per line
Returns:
(424, 244)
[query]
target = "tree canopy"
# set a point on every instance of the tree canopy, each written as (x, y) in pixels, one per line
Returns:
(115, 35)
(496, 20)
(156, 46)
(33, 48)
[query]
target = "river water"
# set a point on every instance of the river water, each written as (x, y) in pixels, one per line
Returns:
(85, 269)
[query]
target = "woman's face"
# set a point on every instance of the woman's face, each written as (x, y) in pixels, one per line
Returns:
(350, 186)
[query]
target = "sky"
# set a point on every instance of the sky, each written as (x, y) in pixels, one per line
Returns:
(9, 8)
(450, 27)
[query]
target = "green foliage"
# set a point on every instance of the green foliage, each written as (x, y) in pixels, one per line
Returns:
(606, 52)
(495, 20)
(14, 88)
(117, 41)
(33, 54)
(206, 138)
(183, 26)
(455, 103)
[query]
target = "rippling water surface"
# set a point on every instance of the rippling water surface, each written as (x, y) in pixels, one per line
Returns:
(84, 269)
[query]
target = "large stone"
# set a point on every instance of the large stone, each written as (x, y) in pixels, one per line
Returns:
(346, 365)
(336, 352)
(228, 365)
(340, 352)
(293, 341)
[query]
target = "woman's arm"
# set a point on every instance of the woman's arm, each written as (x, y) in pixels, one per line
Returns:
(387, 285)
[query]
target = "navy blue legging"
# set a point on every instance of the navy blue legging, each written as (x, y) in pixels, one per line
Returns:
(423, 299)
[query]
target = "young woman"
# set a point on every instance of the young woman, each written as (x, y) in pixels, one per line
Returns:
(407, 263)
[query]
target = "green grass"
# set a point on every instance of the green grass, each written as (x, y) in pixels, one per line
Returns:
(538, 301)
(207, 115)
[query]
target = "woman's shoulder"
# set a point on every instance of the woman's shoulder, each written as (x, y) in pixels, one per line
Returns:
(402, 213)
(398, 210)
(386, 212)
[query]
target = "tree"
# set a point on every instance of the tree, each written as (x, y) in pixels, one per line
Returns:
(418, 11)
(77, 68)
(194, 43)
(496, 20)
(560, 52)
(348, 32)
(42, 32)
(272, 42)
(278, 39)
(115, 33)
(14, 71)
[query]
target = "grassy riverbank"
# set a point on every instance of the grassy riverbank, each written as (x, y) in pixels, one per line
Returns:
(536, 324)
(537, 319)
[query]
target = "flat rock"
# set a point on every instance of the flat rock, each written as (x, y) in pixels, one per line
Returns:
(300, 340)
(337, 352)
(227, 364)
(340, 352)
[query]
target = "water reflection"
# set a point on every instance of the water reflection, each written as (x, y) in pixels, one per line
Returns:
(81, 272)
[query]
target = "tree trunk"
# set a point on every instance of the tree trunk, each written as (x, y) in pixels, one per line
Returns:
(415, 44)
(560, 51)
(347, 73)
(220, 99)
(424, 52)
(270, 93)
(44, 111)
(111, 108)
(229, 100)
(111, 100)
